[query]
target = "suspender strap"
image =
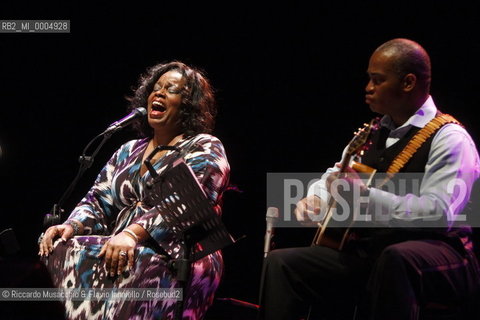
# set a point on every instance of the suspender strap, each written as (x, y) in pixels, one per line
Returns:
(416, 142)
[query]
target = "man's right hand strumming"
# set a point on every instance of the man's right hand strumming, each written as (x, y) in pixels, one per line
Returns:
(308, 210)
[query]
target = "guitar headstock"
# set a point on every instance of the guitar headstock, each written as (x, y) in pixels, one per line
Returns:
(361, 136)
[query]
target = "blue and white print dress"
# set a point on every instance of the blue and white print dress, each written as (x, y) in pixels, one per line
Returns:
(112, 204)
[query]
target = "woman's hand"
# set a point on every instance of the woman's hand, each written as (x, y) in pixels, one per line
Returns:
(61, 230)
(119, 252)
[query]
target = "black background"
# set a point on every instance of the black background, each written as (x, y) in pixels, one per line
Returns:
(290, 87)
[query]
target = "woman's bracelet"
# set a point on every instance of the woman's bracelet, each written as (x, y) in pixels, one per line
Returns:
(75, 225)
(130, 232)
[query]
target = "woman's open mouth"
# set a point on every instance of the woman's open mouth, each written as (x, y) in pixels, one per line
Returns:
(158, 109)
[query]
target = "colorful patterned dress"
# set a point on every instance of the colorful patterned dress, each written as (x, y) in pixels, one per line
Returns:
(113, 203)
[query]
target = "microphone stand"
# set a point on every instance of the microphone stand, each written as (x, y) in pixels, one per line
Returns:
(271, 216)
(55, 216)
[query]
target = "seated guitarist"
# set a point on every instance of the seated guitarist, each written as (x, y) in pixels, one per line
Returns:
(399, 265)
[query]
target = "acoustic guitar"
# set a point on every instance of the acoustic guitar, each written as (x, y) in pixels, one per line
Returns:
(335, 237)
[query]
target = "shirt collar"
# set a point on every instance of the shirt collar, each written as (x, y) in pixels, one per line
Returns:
(423, 115)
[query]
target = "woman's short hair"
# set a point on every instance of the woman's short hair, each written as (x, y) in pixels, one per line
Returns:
(198, 107)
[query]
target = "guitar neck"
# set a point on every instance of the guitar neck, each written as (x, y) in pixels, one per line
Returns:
(356, 145)
(345, 162)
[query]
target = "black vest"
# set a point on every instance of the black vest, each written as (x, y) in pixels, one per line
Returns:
(379, 157)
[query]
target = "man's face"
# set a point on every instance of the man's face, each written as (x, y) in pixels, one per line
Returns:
(384, 88)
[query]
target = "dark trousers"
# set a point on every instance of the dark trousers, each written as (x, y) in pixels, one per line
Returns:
(404, 278)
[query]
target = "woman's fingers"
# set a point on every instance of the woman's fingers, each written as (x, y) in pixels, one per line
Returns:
(111, 258)
(131, 258)
(41, 245)
(122, 261)
(126, 260)
(113, 263)
(46, 244)
(118, 253)
(49, 243)
(103, 250)
(108, 258)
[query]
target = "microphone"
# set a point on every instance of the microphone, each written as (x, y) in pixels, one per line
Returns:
(272, 214)
(120, 124)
